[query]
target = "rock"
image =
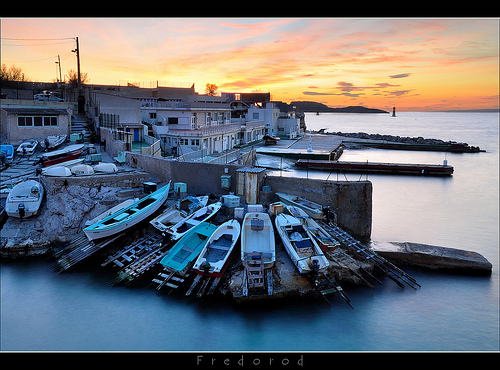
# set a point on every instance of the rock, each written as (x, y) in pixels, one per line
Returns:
(434, 257)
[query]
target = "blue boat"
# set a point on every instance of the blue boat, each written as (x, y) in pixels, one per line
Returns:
(8, 152)
(187, 249)
(128, 216)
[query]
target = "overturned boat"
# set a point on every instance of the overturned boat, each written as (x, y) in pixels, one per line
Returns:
(128, 216)
(24, 199)
(300, 245)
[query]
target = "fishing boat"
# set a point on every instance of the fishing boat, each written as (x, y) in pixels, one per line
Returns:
(24, 199)
(313, 209)
(53, 141)
(300, 245)
(105, 167)
(185, 251)
(169, 218)
(325, 241)
(57, 171)
(67, 164)
(27, 147)
(128, 216)
(7, 151)
(257, 236)
(191, 204)
(110, 211)
(214, 257)
(63, 155)
(82, 169)
(182, 227)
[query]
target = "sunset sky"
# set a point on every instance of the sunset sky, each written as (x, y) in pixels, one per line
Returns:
(413, 64)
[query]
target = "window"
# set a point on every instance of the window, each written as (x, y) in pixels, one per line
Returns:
(184, 141)
(152, 115)
(173, 120)
(256, 115)
(37, 121)
(195, 142)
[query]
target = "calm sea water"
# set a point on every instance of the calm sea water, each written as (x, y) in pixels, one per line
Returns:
(79, 311)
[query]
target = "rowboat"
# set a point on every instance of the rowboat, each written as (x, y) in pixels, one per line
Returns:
(8, 152)
(110, 211)
(182, 227)
(82, 169)
(300, 245)
(24, 199)
(185, 251)
(169, 218)
(257, 236)
(313, 209)
(27, 147)
(57, 171)
(59, 156)
(105, 167)
(325, 241)
(214, 257)
(48, 170)
(53, 141)
(128, 216)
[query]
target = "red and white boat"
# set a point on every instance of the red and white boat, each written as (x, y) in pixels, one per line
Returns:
(59, 156)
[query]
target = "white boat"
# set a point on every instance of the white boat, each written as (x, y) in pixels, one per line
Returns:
(182, 227)
(191, 204)
(67, 164)
(325, 241)
(110, 211)
(214, 257)
(82, 169)
(169, 218)
(313, 209)
(53, 141)
(27, 147)
(24, 199)
(105, 167)
(257, 236)
(57, 171)
(128, 216)
(300, 245)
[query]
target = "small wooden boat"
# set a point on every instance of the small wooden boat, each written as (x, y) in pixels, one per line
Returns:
(185, 251)
(300, 245)
(57, 171)
(7, 151)
(257, 236)
(53, 141)
(325, 241)
(67, 164)
(110, 211)
(105, 167)
(214, 257)
(128, 216)
(82, 169)
(27, 147)
(24, 199)
(63, 155)
(191, 204)
(169, 218)
(182, 227)
(313, 209)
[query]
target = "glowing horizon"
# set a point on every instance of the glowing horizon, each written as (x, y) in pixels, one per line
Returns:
(413, 64)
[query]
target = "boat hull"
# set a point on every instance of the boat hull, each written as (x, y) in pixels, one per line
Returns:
(128, 216)
(257, 235)
(300, 245)
(203, 214)
(187, 249)
(314, 210)
(26, 195)
(218, 250)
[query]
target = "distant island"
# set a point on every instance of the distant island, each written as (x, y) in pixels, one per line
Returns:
(311, 106)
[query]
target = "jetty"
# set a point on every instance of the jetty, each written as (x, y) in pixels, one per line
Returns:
(377, 167)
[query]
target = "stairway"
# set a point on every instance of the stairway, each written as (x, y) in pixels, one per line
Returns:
(79, 124)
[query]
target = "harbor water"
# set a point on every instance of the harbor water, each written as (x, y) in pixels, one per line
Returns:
(78, 311)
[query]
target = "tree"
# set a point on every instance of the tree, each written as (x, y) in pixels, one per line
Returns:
(12, 74)
(73, 78)
(211, 89)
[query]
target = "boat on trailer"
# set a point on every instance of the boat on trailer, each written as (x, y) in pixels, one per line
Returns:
(313, 209)
(325, 241)
(257, 236)
(128, 216)
(300, 245)
(182, 227)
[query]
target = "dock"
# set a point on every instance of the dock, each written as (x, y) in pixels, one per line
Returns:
(447, 147)
(377, 167)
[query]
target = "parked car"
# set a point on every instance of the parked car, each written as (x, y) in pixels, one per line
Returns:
(48, 96)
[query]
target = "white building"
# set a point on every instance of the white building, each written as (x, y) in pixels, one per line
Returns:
(277, 123)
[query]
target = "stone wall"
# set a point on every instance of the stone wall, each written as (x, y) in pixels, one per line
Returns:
(350, 200)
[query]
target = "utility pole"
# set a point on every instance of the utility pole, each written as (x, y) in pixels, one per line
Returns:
(60, 73)
(81, 98)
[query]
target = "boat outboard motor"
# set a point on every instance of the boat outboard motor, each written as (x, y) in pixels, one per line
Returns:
(21, 210)
(205, 266)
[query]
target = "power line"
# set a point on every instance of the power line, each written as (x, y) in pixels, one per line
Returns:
(23, 39)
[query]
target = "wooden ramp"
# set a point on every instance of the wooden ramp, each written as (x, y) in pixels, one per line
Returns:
(170, 278)
(255, 276)
(390, 270)
(326, 284)
(80, 250)
(206, 282)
